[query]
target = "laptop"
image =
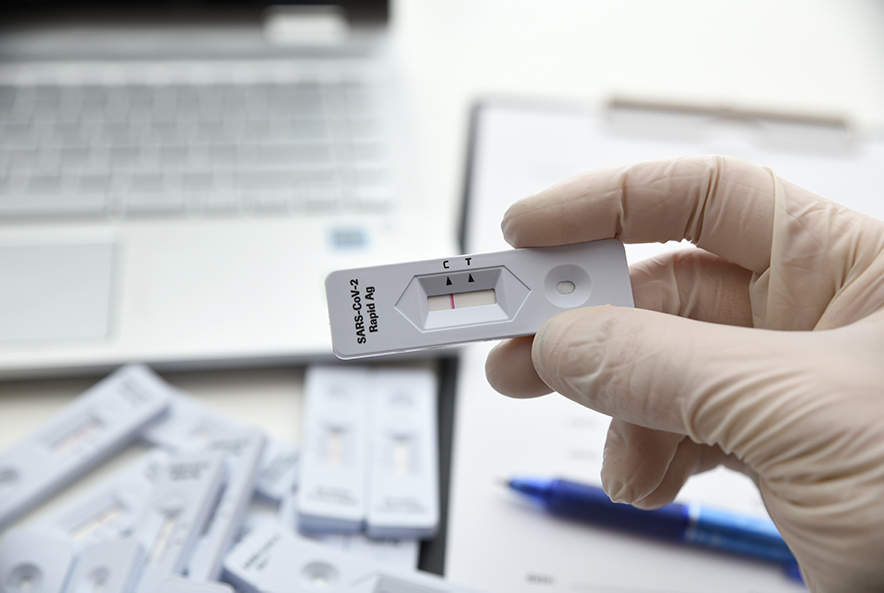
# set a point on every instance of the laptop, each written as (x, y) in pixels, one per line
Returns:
(177, 178)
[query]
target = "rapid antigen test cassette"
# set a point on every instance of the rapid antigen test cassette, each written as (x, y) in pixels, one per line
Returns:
(108, 567)
(179, 508)
(403, 477)
(243, 456)
(272, 559)
(467, 298)
(190, 425)
(180, 585)
(109, 510)
(34, 562)
(102, 421)
(331, 488)
(279, 471)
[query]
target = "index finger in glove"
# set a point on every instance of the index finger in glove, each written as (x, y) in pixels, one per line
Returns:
(708, 381)
(722, 204)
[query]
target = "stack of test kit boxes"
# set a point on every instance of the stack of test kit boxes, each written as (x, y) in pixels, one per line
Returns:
(215, 505)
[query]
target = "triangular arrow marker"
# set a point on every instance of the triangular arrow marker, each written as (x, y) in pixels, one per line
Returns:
(447, 281)
(471, 278)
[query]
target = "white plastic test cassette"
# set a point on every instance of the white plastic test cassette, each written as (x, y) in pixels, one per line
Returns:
(396, 553)
(109, 510)
(279, 471)
(467, 298)
(331, 489)
(178, 509)
(403, 477)
(94, 426)
(108, 567)
(34, 562)
(242, 454)
(190, 425)
(180, 585)
(272, 559)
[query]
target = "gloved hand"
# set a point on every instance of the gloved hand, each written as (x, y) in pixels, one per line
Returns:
(763, 350)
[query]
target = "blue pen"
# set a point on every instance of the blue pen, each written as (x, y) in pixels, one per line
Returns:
(700, 526)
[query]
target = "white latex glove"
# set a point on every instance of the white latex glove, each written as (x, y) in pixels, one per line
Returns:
(763, 350)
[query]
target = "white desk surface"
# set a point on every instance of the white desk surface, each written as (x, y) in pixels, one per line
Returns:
(816, 56)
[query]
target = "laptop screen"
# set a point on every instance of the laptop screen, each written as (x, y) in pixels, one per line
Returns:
(356, 10)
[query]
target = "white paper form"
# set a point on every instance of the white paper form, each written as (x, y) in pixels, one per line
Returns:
(524, 148)
(497, 542)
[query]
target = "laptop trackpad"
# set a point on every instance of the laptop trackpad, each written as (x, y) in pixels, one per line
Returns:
(55, 292)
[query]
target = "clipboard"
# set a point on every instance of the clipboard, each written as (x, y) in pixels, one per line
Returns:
(496, 543)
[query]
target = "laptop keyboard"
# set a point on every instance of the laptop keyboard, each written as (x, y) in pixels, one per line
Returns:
(173, 150)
